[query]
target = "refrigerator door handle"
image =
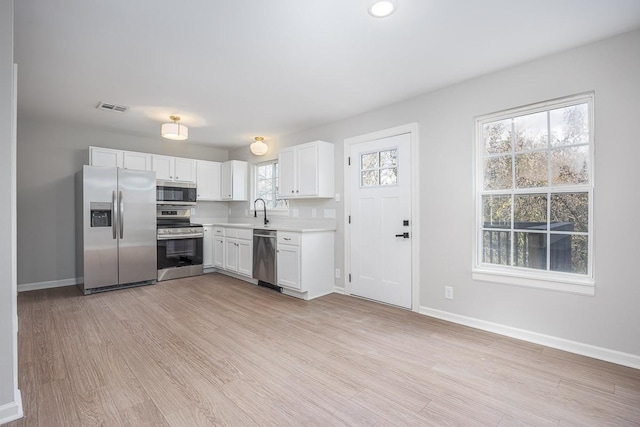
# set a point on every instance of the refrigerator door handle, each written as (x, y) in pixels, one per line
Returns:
(114, 210)
(121, 214)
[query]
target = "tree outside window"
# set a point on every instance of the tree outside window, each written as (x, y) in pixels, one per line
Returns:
(535, 189)
(266, 185)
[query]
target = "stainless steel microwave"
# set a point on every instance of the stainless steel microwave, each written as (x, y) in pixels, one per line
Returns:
(175, 193)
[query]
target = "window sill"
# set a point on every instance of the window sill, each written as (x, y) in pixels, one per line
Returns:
(551, 282)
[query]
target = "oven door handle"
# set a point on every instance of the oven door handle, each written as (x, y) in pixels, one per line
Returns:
(181, 236)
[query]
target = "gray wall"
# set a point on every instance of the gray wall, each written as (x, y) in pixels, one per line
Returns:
(446, 131)
(7, 294)
(49, 154)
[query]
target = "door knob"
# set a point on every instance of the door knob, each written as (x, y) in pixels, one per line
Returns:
(403, 235)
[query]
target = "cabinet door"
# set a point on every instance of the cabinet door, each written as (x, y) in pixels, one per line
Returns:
(286, 170)
(245, 257)
(185, 169)
(288, 266)
(226, 181)
(136, 161)
(208, 180)
(231, 255)
(105, 157)
(218, 252)
(163, 166)
(307, 168)
(207, 247)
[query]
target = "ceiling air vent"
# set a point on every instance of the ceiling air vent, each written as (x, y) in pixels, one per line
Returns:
(112, 107)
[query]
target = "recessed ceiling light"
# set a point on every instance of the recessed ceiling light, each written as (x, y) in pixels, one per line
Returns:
(382, 8)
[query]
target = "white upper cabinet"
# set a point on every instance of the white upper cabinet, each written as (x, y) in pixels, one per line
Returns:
(173, 168)
(136, 161)
(233, 180)
(105, 157)
(306, 171)
(99, 156)
(185, 169)
(208, 180)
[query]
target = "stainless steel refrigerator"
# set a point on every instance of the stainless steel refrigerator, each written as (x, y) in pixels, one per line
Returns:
(115, 228)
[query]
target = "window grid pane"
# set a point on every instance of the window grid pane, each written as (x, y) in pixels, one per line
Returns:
(522, 226)
(379, 168)
(266, 185)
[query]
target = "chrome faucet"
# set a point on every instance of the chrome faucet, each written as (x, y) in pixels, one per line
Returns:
(255, 211)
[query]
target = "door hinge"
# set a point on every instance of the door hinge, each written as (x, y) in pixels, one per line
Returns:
(349, 277)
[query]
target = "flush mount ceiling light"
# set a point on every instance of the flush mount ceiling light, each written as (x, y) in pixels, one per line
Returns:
(174, 130)
(259, 148)
(382, 8)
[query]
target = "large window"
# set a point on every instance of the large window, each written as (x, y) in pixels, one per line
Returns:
(534, 195)
(266, 185)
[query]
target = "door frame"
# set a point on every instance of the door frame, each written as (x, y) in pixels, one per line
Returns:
(412, 130)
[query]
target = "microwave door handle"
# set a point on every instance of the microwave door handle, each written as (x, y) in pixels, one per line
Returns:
(114, 211)
(121, 215)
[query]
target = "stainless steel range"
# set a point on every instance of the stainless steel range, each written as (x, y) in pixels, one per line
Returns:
(180, 243)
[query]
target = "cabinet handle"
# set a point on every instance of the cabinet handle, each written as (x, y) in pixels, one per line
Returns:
(297, 191)
(287, 238)
(292, 191)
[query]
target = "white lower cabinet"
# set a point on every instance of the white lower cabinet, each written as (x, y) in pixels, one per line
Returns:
(288, 266)
(305, 263)
(218, 252)
(238, 251)
(207, 247)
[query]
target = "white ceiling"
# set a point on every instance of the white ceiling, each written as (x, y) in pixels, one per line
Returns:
(237, 69)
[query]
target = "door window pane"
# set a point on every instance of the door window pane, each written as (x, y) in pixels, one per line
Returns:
(379, 168)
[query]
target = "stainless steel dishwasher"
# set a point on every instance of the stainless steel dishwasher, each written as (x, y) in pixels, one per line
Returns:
(264, 257)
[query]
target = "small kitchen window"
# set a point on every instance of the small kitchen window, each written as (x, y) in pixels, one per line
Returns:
(266, 185)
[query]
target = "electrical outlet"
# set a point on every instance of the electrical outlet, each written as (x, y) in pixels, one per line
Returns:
(448, 292)
(337, 273)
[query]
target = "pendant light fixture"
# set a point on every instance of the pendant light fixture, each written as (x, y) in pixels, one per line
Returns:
(174, 130)
(259, 147)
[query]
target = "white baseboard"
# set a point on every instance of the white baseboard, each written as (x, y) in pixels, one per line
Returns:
(340, 290)
(613, 356)
(12, 410)
(50, 284)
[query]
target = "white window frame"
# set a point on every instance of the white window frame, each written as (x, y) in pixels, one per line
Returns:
(275, 211)
(583, 284)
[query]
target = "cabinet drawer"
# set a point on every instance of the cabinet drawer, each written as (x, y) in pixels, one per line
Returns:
(288, 238)
(245, 233)
(218, 231)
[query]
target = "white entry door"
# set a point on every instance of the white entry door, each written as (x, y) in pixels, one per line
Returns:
(380, 228)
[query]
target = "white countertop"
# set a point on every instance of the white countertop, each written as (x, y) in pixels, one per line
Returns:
(301, 228)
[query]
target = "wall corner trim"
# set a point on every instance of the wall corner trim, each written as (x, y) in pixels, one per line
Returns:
(613, 356)
(13, 410)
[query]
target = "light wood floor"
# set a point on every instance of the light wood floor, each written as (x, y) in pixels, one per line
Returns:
(216, 351)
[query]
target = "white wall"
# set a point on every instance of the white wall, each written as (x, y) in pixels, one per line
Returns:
(49, 154)
(10, 406)
(446, 129)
